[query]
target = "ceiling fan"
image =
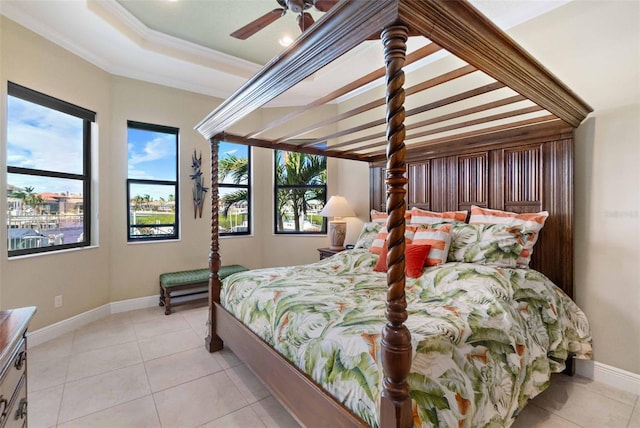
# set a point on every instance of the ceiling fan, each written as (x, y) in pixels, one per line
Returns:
(305, 20)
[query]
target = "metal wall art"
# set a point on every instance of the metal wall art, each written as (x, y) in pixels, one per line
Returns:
(199, 191)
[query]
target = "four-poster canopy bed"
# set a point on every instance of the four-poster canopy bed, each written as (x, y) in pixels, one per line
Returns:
(503, 140)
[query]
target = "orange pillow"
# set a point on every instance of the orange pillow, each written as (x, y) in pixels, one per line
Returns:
(381, 265)
(415, 257)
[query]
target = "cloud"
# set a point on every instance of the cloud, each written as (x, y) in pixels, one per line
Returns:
(41, 138)
(160, 147)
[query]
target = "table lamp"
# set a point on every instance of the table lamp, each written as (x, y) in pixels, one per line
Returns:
(337, 207)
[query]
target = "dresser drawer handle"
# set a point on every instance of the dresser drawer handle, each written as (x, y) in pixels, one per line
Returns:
(21, 413)
(21, 358)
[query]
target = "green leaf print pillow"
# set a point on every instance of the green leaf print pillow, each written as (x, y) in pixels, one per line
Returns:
(368, 234)
(489, 244)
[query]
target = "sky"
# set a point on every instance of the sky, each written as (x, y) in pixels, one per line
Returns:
(152, 155)
(228, 149)
(42, 138)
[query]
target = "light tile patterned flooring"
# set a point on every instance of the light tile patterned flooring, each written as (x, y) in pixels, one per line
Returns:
(144, 369)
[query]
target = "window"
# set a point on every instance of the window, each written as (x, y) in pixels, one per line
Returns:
(152, 186)
(234, 176)
(300, 192)
(48, 173)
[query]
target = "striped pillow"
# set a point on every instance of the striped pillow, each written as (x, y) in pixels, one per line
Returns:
(378, 243)
(531, 224)
(381, 217)
(419, 216)
(439, 238)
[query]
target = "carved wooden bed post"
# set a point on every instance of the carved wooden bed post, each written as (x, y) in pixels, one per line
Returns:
(395, 403)
(212, 341)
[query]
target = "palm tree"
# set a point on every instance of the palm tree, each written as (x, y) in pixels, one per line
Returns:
(147, 201)
(304, 170)
(137, 201)
(237, 169)
(234, 166)
(31, 199)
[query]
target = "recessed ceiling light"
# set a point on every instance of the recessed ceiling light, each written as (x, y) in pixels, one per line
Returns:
(285, 41)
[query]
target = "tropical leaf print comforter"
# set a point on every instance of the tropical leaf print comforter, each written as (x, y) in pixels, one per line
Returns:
(485, 339)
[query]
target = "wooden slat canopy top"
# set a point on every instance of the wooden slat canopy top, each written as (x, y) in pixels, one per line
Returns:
(455, 26)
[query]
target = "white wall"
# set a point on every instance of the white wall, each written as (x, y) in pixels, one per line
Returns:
(594, 47)
(354, 186)
(81, 276)
(135, 266)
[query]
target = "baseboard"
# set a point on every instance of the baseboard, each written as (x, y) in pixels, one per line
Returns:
(609, 375)
(52, 331)
(36, 337)
(134, 304)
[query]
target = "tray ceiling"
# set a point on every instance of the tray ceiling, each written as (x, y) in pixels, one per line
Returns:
(186, 43)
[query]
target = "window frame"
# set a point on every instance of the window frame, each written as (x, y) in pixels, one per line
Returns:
(276, 187)
(88, 117)
(176, 184)
(238, 186)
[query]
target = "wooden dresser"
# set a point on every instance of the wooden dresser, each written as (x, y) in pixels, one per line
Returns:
(13, 366)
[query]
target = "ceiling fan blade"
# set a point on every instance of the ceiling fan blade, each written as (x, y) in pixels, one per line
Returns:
(305, 20)
(254, 26)
(324, 5)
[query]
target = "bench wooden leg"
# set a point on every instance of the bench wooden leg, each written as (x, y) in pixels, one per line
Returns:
(161, 302)
(167, 302)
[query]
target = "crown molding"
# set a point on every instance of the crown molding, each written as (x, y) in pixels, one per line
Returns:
(128, 25)
(13, 11)
(198, 64)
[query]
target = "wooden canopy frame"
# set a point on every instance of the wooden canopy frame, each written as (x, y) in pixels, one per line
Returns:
(455, 26)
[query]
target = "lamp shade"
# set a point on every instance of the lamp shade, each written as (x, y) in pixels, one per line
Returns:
(337, 206)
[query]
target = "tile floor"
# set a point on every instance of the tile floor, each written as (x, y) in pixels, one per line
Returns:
(144, 369)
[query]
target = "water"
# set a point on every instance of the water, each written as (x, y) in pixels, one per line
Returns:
(71, 232)
(36, 237)
(66, 233)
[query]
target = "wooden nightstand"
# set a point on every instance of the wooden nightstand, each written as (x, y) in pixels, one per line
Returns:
(327, 252)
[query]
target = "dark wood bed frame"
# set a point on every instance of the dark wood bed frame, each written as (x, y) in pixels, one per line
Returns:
(523, 167)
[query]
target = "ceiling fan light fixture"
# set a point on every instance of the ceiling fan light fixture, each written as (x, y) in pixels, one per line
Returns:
(296, 6)
(285, 40)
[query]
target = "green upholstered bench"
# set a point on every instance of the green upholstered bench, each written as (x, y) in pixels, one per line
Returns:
(189, 286)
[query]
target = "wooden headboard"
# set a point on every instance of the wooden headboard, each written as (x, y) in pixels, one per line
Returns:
(526, 171)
